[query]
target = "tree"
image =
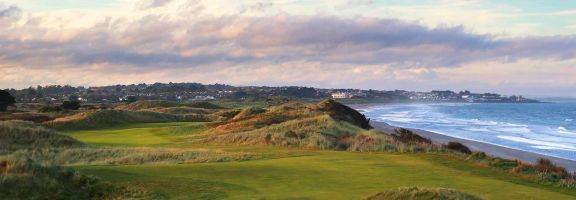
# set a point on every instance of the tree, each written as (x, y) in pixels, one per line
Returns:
(71, 105)
(131, 99)
(6, 99)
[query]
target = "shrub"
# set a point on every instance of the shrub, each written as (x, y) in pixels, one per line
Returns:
(456, 146)
(407, 136)
(547, 167)
(417, 193)
(523, 168)
(6, 99)
(48, 108)
(478, 156)
(71, 105)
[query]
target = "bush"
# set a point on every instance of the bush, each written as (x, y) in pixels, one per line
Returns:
(416, 193)
(547, 167)
(6, 99)
(407, 136)
(478, 156)
(71, 105)
(456, 146)
(48, 108)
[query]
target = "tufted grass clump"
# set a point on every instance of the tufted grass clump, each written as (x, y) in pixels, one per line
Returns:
(420, 193)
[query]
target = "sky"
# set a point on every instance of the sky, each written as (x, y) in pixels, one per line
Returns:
(510, 47)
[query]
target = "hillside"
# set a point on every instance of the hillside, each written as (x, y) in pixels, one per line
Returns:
(105, 118)
(16, 135)
(325, 125)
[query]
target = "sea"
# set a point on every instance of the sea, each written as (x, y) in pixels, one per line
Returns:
(544, 128)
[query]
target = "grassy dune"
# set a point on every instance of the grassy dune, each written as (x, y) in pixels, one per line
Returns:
(16, 135)
(108, 118)
(26, 179)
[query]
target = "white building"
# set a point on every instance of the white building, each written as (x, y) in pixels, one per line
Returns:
(341, 95)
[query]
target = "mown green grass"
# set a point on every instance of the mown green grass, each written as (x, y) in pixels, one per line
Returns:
(146, 134)
(299, 173)
(325, 175)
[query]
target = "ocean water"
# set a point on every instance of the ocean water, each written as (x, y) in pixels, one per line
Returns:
(545, 128)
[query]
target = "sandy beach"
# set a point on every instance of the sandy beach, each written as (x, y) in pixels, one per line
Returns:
(490, 149)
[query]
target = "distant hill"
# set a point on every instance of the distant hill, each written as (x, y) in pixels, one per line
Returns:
(141, 105)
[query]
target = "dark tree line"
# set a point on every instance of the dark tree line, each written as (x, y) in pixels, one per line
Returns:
(6, 99)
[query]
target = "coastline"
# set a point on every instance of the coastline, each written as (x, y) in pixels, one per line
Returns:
(491, 149)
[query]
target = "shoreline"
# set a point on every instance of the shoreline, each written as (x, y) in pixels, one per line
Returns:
(491, 149)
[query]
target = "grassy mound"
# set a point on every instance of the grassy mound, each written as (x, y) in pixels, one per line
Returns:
(181, 110)
(416, 193)
(342, 112)
(16, 135)
(25, 179)
(27, 116)
(247, 112)
(106, 118)
(327, 125)
(320, 132)
(142, 105)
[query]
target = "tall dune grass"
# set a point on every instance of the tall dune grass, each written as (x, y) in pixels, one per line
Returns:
(26, 179)
(129, 156)
(15, 135)
(419, 193)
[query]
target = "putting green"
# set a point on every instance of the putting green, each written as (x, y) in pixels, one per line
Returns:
(139, 134)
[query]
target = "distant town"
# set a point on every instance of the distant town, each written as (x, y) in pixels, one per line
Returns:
(208, 92)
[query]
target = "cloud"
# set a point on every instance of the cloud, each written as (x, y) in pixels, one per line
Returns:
(360, 2)
(159, 40)
(178, 40)
(148, 4)
(10, 13)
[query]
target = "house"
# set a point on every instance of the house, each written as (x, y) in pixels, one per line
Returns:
(341, 95)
